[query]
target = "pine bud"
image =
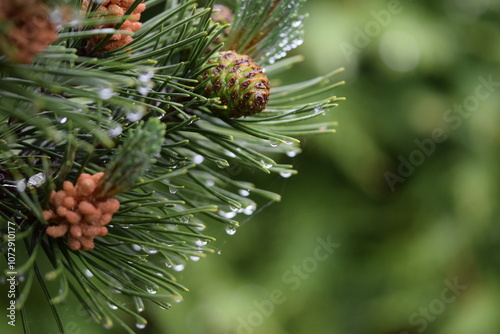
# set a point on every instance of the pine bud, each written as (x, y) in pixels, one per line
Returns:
(240, 84)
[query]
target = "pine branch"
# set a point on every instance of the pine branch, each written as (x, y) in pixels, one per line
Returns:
(116, 138)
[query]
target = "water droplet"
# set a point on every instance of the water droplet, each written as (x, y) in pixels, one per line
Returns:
(135, 116)
(266, 165)
(274, 143)
(168, 264)
(146, 75)
(63, 120)
(185, 219)
(172, 190)
(285, 174)
(234, 208)
(21, 185)
(37, 180)
(222, 163)
(141, 325)
(230, 154)
(88, 273)
(151, 290)
(116, 131)
(296, 24)
(198, 159)
(136, 247)
(210, 183)
(244, 192)
(229, 215)
(318, 110)
(231, 230)
(178, 267)
(200, 243)
(105, 93)
(201, 227)
(249, 210)
(145, 88)
(177, 299)
(112, 306)
(194, 258)
(291, 154)
(149, 250)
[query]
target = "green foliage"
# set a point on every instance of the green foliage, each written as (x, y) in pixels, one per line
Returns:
(78, 109)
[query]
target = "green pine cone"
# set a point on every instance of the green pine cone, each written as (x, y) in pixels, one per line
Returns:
(240, 84)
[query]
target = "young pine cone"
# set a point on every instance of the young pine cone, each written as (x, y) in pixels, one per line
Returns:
(240, 84)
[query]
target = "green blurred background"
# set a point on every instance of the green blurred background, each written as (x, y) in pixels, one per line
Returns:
(420, 256)
(414, 250)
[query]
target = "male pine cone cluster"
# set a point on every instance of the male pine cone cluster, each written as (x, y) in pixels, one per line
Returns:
(236, 79)
(78, 214)
(25, 29)
(116, 8)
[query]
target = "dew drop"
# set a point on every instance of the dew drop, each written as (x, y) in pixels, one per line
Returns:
(178, 267)
(198, 159)
(285, 174)
(266, 165)
(177, 299)
(37, 180)
(151, 290)
(222, 163)
(249, 210)
(105, 93)
(274, 143)
(115, 132)
(185, 219)
(231, 230)
(21, 185)
(194, 258)
(144, 89)
(140, 325)
(135, 116)
(229, 215)
(150, 250)
(200, 243)
(172, 190)
(63, 120)
(88, 273)
(112, 306)
(201, 227)
(291, 154)
(145, 75)
(210, 183)
(244, 192)
(139, 304)
(136, 247)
